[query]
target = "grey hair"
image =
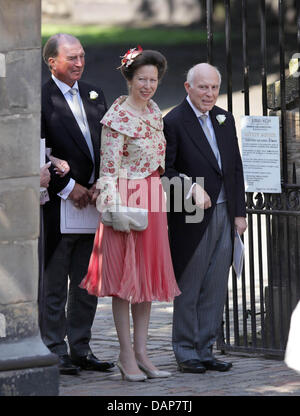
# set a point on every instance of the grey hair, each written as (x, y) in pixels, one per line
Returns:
(50, 49)
(191, 73)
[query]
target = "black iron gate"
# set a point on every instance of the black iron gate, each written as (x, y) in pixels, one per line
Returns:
(259, 305)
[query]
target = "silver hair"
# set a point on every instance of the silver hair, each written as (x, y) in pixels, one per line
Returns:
(191, 73)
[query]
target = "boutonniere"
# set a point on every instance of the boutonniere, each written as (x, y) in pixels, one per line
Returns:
(221, 118)
(93, 95)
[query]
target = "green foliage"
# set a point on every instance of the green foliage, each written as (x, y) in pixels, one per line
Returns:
(95, 35)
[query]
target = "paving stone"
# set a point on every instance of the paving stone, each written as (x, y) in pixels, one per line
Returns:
(249, 376)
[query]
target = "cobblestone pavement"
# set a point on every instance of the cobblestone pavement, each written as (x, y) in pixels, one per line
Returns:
(249, 376)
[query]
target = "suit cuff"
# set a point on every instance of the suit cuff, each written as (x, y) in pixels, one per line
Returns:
(65, 192)
(189, 194)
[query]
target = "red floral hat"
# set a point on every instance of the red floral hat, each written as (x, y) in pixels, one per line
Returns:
(130, 55)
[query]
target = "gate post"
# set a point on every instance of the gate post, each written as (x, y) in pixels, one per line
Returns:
(292, 116)
(26, 366)
(285, 258)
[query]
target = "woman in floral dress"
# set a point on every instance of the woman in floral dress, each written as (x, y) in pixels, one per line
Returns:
(134, 267)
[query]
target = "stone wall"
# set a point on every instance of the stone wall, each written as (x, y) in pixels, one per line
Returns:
(292, 116)
(132, 12)
(293, 144)
(23, 356)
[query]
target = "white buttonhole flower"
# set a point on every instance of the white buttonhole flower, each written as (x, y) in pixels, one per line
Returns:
(221, 118)
(93, 95)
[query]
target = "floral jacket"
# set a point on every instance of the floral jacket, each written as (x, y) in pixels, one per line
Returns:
(131, 147)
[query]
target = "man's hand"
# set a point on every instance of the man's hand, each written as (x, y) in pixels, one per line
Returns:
(45, 175)
(240, 224)
(94, 193)
(201, 197)
(80, 196)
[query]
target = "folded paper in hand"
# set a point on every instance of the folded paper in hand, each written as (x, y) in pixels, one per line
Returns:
(238, 255)
(78, 221)
(137, 217)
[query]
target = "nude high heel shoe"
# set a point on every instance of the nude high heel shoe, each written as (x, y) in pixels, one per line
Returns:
(153, 373)
(130, 377)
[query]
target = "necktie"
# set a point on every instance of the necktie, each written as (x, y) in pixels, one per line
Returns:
(77, 111)
(214, 146)
(212, 141)
(77, 108)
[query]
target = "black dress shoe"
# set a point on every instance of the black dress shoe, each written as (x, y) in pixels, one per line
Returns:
(191, 366)
(65, 366)
(90, 362)
(216, 365)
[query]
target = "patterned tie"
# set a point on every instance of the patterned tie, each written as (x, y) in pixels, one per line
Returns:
(82, 124)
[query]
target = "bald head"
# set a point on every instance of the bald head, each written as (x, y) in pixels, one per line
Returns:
(203, 86)
(203, 68)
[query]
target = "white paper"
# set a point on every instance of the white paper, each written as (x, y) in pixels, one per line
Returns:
(44, 196)
(42, 152)
(78, 221)
(292, 352)
(2, 326)
(48, 151)
(238, 255)
(261, 153)
(2, 66)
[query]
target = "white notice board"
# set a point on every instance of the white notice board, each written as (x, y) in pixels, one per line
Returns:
(261, 153)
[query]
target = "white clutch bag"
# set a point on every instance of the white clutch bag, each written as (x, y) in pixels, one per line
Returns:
(136, 217)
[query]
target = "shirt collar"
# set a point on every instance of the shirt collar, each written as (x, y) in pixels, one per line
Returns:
(63, 86)
(195, 109)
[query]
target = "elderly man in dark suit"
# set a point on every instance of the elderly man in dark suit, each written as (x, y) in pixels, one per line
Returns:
(71, 114)
(202, 143)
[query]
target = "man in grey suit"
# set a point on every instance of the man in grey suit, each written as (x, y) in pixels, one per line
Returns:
(202, 143)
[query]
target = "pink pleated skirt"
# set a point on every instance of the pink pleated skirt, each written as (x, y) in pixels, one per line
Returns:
(135, 266)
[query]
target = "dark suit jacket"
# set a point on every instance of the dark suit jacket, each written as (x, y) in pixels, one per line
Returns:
(64, 137)
(189, 152)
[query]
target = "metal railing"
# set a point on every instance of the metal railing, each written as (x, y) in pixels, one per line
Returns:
(259, 306)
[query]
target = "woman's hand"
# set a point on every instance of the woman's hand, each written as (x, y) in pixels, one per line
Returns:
(94, 193)
(61, 166)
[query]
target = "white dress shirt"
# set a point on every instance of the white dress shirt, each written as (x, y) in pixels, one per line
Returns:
(65, 89)
(198, 113)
